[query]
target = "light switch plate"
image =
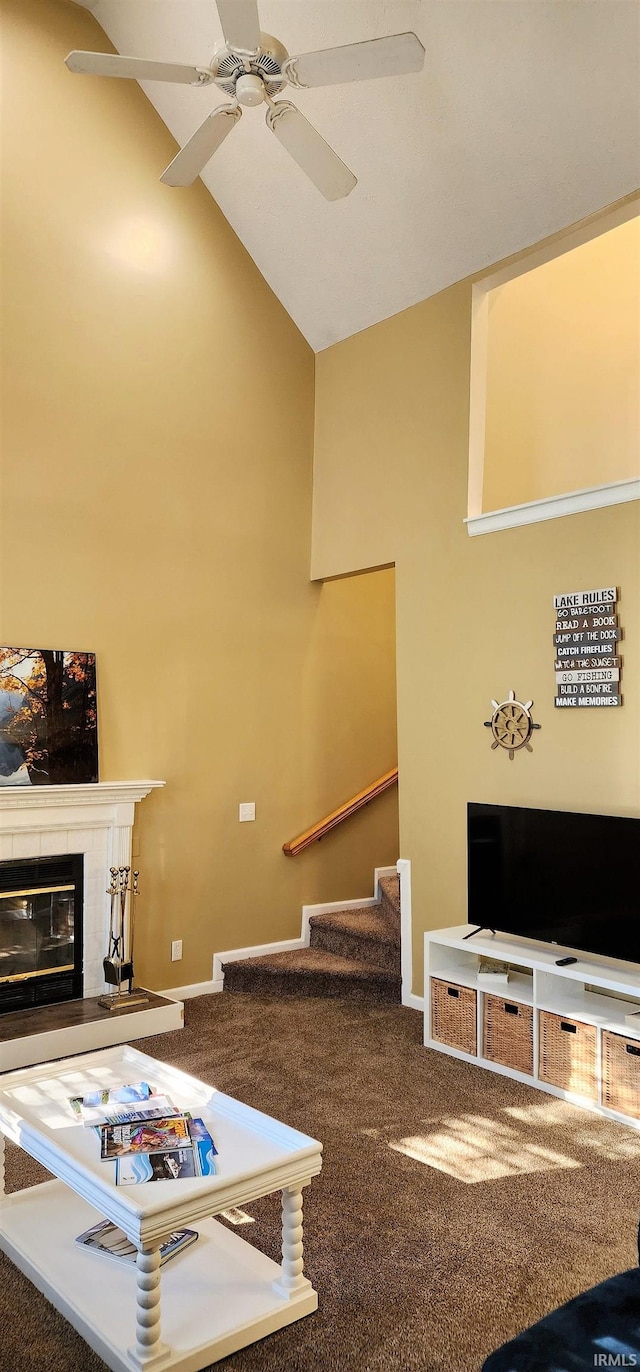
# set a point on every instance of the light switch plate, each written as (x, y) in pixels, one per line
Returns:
(246, 811)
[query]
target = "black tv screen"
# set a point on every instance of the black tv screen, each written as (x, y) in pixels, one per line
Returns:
(556, 876)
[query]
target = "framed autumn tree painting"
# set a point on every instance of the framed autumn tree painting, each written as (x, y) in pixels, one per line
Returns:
(48, 717)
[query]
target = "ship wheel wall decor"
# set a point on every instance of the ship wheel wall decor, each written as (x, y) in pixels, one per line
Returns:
(511, 724)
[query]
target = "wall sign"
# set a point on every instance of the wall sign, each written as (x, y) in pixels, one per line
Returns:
(587, 665)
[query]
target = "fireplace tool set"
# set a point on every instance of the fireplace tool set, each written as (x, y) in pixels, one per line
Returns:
(118, 964)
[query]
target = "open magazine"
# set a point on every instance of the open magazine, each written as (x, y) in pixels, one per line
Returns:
(105, 1238)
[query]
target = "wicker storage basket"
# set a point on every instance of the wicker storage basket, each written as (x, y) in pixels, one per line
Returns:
(453, 1015)
(621, 1073)
(508, 1033)
(568, 1054)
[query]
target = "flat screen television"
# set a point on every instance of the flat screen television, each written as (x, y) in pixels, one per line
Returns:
(556, 876)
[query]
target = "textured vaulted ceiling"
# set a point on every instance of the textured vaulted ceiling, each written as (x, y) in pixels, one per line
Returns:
(525, 119)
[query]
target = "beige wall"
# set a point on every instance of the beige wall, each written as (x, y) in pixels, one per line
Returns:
(563, 373)
(474, 615)
(149, 513)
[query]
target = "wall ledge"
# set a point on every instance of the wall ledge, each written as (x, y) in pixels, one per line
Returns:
(554, 507)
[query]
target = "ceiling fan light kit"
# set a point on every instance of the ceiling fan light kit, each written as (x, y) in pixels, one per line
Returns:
(252, 67)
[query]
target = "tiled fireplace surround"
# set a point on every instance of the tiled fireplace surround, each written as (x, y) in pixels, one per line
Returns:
(97, 821)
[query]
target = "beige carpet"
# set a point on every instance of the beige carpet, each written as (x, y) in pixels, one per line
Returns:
(454, 1207)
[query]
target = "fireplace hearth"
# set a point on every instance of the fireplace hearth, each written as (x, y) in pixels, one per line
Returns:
(40, 931)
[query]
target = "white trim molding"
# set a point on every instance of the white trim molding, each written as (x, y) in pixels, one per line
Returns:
(262, 950)
(259, 950)
(403, 869)
(195, 988)
(554, 507)
(92, 793)
(415, 1003)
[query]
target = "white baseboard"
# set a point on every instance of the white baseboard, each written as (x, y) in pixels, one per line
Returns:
(259, 950)
(328, 909)
(414, 1002)
(382, 872)
(197, 988)
(262, 950)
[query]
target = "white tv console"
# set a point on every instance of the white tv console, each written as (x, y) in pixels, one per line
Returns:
(575, 992)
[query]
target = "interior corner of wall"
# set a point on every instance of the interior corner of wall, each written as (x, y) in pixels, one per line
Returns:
(478, 396)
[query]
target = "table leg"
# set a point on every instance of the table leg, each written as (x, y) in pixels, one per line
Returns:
(291, 1280)
(149, 1349)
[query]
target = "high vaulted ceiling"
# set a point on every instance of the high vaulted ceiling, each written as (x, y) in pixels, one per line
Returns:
(525, 119)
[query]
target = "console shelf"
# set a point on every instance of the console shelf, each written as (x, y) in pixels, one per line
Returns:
(594, 992)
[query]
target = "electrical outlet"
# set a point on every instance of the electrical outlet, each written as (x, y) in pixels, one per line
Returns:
(176, 950)
(246, 811)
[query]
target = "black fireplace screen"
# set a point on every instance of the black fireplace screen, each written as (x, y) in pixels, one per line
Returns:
(40, 931)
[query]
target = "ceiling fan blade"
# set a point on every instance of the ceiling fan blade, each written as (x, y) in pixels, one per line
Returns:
(306, 146)
(189, 162)
(393, 56)
(136, 68)
(240, 24)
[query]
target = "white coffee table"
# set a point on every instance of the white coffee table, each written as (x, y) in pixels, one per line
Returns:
(218, 1295)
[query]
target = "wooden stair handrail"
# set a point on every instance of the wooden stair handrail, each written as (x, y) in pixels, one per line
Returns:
(317, 831)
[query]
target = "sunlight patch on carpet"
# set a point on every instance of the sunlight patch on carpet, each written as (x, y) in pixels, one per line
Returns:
(626, 1146)
(546, 1112)
(237, 1216)
(609, 1140)
(474, 1149)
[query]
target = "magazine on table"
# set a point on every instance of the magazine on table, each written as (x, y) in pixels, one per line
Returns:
(204, 1148)
(161, 1135)
(198, 1160)
(145, 1135)
(138, 1101)
(110, 1242)
(131, 1114)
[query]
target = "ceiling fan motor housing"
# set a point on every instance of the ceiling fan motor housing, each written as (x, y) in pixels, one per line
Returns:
(230, 70)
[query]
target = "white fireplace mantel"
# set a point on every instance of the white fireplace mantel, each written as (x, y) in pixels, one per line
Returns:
(16, 799)
(94, 819)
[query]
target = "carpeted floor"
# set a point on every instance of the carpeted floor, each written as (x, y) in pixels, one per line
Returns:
(454, 1206)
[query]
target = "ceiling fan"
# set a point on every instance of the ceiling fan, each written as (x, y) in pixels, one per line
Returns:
(252, 67)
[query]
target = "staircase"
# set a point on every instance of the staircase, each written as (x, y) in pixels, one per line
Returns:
(354, 953)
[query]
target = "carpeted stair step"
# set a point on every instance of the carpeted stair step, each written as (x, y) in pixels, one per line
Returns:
(390, 902)
(363, 935)
(312, 972)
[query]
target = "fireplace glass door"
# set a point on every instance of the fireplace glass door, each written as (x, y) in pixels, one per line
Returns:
(36, 931)
(40, 931)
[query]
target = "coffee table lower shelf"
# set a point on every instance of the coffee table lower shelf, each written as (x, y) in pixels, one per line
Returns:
(217, 1296)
